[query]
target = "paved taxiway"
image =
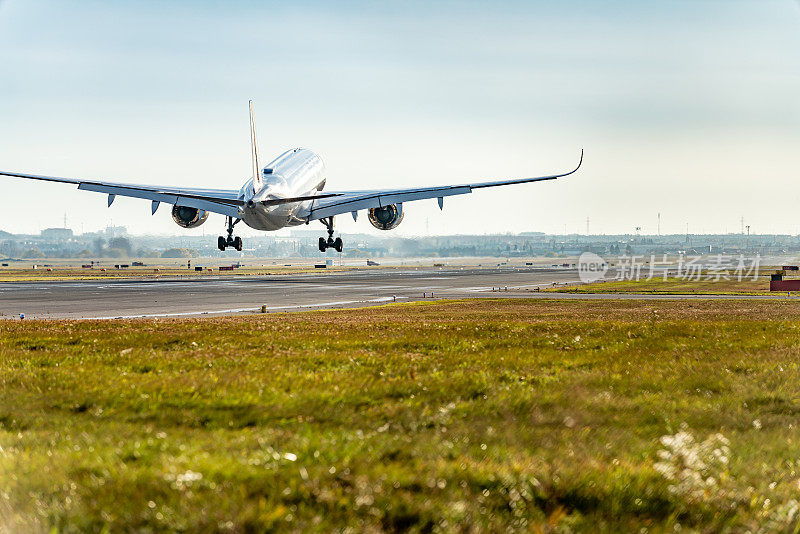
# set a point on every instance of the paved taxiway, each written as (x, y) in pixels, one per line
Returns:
(109, 299)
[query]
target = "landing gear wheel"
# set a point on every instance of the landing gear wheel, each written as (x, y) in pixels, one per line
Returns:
(325, 244)
(230, 241)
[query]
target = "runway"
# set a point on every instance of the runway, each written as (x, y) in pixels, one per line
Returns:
(109, 299)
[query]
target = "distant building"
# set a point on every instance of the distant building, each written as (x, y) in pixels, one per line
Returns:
(57, 234)
(116, 231)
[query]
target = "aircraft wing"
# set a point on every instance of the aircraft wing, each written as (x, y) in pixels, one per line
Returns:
(221, 201)
(336, 203)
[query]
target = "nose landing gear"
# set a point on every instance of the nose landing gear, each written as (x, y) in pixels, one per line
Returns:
(230, 241)
(335, 244)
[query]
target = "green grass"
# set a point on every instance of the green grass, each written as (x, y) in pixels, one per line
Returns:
(458, 416)
(674, 286)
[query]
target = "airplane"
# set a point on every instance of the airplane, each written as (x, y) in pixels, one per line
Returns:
(288, 191)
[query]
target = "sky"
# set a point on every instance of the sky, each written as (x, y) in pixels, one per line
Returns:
(690, 108)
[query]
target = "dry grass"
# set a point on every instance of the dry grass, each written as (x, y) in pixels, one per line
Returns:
(67, 273)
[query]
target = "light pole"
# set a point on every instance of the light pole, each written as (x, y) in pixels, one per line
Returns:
(747, 241)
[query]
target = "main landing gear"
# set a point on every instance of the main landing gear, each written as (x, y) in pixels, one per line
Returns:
(235, 242)
(335, 244)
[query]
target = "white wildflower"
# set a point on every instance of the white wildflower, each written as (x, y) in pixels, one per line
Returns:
(786, 513)
(183, 480)
(189, 476)
(694, 468)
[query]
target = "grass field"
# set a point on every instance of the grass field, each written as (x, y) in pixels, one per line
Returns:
(490, 415)
(674, 286)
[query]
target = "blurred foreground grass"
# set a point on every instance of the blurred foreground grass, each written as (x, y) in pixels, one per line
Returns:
(482, 415)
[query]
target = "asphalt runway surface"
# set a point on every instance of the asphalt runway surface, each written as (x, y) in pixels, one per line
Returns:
(108, 299)
(176, 297)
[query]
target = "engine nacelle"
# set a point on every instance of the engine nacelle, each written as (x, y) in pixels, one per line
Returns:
(387, 217)
(188, 217)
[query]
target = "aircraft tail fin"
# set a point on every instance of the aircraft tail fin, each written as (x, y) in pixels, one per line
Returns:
(258, 182)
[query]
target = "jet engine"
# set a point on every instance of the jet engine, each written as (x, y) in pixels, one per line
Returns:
(387, 217)
(188, 217)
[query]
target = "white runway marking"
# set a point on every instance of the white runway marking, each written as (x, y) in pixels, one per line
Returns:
(243, 310)
(481, 289)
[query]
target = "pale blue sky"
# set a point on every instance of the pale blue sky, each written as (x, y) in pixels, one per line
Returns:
(688, 108)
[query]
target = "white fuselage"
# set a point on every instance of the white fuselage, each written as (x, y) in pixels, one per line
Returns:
(295, 173)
